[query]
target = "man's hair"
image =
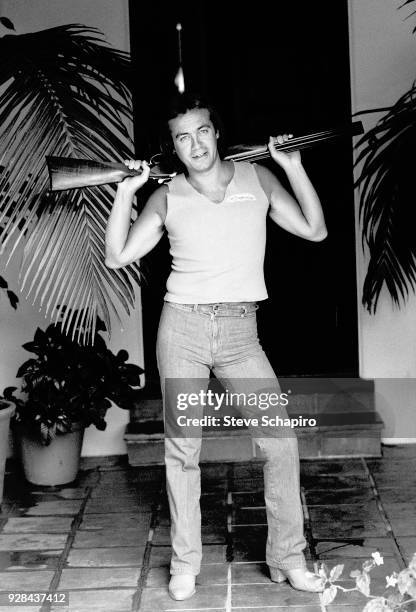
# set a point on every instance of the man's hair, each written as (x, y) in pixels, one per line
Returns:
(179, 105)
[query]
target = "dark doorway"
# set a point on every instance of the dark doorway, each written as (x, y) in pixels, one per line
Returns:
(276, 68)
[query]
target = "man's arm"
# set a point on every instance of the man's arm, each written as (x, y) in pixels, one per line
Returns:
(302, 216)
(124, 243)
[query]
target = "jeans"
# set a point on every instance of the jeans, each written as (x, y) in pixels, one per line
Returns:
(192, 340)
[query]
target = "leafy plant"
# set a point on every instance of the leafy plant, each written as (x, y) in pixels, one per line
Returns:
(387, 210)
(11, 296)
(7, 398)
(403, 584)
(68, 383)
(64, 92)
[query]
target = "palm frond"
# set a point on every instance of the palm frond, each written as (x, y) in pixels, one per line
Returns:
(387, 209)
(65, 92)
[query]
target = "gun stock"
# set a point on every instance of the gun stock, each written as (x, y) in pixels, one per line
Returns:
(69, 173)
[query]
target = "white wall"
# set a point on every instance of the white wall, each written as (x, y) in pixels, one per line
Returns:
(383, 67)
(17, 327)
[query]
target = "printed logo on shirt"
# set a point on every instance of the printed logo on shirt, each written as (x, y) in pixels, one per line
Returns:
(241, 197)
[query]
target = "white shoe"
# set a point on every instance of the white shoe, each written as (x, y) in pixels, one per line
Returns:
(300, 579)
(182, 586)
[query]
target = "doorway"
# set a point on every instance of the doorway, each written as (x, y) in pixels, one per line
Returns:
(283, 67)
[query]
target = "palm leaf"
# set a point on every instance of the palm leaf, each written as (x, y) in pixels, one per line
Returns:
(64, 92)
(387, 210)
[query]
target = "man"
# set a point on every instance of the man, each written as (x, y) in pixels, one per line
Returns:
(215, 214)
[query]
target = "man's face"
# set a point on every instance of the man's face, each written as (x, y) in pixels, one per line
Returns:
(195, 139)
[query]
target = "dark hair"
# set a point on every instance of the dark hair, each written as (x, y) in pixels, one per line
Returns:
(179, 104)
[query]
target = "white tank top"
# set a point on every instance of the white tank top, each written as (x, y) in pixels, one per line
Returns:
(217, 249)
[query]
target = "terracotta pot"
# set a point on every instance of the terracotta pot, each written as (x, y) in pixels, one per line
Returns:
(5, 415)
(55, 464)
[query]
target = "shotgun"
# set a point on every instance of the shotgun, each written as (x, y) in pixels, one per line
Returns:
(69, 173)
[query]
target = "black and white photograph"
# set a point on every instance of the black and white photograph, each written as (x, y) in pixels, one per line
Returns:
(207, 306)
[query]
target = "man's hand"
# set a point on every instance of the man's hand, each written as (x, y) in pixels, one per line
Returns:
(132, 183)
(284, 158)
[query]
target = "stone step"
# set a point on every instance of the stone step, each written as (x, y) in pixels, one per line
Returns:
(347, 437)
(346, 424)
(307, 396)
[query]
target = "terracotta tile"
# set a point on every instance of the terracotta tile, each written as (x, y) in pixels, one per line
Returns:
(49, 524)
(392, 467)
(96, 521)
(211, 534)
(250, 470)
(355, 548)
(105, 538)
(213, 499)
(158, 599)
(342, 481)
(119, 490)
(347, 521)
(249, 573)
(211, 553)
(25, 580)
(407, 547)
(33, 541)
(339, 497)
(149, 475)
(99, 577)
(331, 467)
(29, 559)
(106, 557)
(213, 574)
(160, 556)
(55, 507)
(250, 485)
(405, 526)
(249, 544)
(117, 505)
(399, 510)
(116, 600)
(216, 515)
(271, 594)
(397, 496)
(248, 499)
(395, 480)
(249, 516)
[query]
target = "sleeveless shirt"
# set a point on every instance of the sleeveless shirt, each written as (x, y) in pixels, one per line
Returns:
(217, 249)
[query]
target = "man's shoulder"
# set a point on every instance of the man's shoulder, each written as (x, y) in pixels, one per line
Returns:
(157, 201)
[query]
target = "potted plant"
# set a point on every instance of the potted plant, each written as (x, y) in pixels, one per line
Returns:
(6, 412)
(67, 387)
(6, 405)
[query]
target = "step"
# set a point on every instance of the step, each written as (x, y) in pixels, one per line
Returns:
(145, 442)
(347, 425)
(308, 396)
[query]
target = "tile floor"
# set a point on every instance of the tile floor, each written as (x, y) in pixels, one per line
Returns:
(105, 539)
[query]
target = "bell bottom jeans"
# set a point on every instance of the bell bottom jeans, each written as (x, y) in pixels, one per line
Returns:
(192, 340)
